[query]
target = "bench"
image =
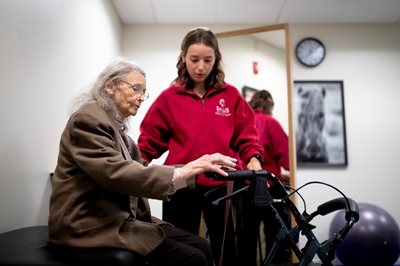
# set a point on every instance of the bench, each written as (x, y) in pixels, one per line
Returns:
(30, 246)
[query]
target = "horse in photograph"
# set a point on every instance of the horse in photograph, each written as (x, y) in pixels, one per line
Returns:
(310, 139)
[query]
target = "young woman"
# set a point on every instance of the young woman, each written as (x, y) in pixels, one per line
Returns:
(198, 114)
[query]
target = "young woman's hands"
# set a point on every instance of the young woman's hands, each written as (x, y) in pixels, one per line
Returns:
(254, 164)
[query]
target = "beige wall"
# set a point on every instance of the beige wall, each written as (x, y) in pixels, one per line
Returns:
(367, 59)
(49, 51)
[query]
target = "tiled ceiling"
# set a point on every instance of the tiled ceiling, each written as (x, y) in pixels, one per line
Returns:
(257, 11)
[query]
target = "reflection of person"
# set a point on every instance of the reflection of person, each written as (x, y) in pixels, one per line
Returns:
(100, 183)
(198, 114)
(276, 156)
(271, 135)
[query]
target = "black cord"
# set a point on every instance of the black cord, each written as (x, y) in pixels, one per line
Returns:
(298, 194)
(321, 183)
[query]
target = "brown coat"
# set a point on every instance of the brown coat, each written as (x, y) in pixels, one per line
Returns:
(98, 190)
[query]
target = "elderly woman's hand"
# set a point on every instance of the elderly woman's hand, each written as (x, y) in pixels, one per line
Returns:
(209, 163)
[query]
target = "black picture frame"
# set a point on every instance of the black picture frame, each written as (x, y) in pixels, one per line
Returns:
(248, 92)
(319, 116)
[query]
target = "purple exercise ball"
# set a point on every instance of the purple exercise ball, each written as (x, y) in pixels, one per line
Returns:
(373, 240)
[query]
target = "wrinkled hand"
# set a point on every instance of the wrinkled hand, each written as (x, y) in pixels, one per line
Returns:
(254, 164)
(209, 163)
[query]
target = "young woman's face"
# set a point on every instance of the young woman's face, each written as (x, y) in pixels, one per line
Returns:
(199, 61)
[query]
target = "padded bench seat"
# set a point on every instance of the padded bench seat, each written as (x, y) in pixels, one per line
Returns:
(30, 246)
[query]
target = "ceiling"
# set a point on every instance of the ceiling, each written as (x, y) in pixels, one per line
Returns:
(257, 11)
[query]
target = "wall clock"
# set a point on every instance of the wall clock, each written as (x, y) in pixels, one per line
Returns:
(310, 52)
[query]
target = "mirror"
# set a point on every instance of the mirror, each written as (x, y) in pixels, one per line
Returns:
(259, 58)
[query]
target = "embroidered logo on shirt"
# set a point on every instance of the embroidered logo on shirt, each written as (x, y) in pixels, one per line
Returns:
(221, 109)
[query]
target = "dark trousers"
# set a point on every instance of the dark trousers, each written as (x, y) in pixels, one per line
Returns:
(249, 231)
(181, 248)
(185, 209)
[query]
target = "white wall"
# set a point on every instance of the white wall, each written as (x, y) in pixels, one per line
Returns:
(367, 59)
(49, 51)
(240, 52)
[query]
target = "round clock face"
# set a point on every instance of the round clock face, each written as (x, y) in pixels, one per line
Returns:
(310, 52)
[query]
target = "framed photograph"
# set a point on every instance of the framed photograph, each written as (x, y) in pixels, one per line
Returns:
(320, 123)
(248, 92)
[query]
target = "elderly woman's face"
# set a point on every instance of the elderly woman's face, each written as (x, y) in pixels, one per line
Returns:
(129, 93)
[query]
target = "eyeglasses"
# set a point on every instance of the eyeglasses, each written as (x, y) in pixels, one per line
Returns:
(137, 89)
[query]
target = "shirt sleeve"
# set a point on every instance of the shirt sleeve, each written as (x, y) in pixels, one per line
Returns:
(179, 179)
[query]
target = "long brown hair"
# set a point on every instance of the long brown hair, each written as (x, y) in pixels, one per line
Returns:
(206, 37)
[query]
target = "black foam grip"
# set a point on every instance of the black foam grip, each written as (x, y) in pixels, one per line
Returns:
(349, 205)
(232, 175)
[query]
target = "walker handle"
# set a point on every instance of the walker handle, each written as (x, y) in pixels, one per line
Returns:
(349, 205)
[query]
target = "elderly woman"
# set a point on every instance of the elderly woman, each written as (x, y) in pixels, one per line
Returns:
(100, 184)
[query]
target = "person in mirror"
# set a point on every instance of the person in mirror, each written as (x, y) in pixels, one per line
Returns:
(200, 113)
(101, 184)
(276, 161)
